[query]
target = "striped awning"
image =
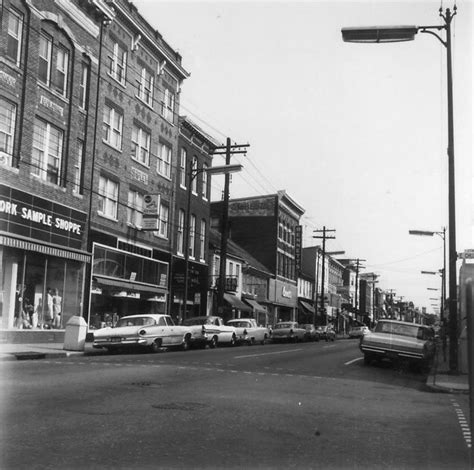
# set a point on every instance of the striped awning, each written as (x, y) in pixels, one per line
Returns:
(45, 249)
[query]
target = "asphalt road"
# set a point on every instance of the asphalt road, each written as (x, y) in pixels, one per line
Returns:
(304, 405)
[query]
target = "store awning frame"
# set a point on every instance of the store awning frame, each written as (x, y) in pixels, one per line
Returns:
(256, 306)
(127, 285)
(307, 306)
(235, 302)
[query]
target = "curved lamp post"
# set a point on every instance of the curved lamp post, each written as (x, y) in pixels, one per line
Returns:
(193, 172)
(382, 34)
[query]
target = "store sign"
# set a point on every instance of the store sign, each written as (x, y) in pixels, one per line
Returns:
(286, 292)
(298, 246)
(28, 215)
(151, 207)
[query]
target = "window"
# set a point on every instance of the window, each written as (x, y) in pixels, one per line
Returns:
(163, 225)
(164, 160)
(180, 238)
(47, 53)
(7, 129)
(204, 192)
(108, 197)
(78, 167)
(84, 86)
(141, 145)
(194, 180)
(135, 209)
(202, 240)
(192, 235)
(145, 86)
(167, 105)
(182, 168)
(113, 122)
(47, 151)
(62, 66)
(118, 63)
(45, 50)
(15, 31)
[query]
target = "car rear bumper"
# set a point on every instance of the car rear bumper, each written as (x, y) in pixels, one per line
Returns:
(392, 353)
(108, 343)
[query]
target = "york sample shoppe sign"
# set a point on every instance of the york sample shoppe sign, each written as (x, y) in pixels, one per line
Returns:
(42, 220)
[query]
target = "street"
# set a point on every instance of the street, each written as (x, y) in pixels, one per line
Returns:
(304, 405)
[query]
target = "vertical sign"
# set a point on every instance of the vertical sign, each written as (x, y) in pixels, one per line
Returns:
(298, 237)
(151, 209)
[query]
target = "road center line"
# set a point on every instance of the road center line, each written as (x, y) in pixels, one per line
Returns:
(267, 354)
(353, 360)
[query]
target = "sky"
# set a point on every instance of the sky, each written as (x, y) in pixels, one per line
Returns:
(356, 134)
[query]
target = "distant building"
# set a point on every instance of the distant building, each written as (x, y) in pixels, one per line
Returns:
(265, 226)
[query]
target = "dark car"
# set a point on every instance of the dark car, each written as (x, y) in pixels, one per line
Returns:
(311, 333)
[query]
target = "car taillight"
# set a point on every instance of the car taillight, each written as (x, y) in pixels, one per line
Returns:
(203, 330)
(142, 332)
(245, 333)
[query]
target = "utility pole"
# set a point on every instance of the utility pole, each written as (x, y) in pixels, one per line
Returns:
(358, 267)
(228, 150)
(323, 237)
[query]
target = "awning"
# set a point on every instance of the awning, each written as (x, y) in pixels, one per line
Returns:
(256, 306)
(236, 303)
(127, 285)
(45, 249)
(307, 306)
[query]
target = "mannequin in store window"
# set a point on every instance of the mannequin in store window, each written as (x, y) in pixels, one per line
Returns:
(48, 314)
(57, 299)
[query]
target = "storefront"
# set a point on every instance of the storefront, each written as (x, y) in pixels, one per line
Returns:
(41, 261)
(125, 283)
(282, 298)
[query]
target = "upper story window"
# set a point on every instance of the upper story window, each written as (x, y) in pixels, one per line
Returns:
(47, 151)
(141, 145)
(194, 170)
(164, 160)
(145, 86)
(113, 127)
(135, 208)
(15, 33)
(53, 64)
(84, 86)
(164, 221)
(202, 240)
(204, 188)
(182, 168)
(192, 236)
(180, 234)
(167, 104)
(118, 63)
(108, 198)
(77, 187)
(7, 130)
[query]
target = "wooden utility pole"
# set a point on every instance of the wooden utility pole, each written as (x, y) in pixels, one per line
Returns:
(228, 150)
(323, 237)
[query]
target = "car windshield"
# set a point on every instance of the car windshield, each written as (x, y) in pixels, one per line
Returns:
(238, 324)
(283, 325)
(135, 321)
(412, 331)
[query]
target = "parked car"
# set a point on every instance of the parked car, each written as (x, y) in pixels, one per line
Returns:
(356, 331)
(394, 340)
(311, 333)
(213, 329)
(142, 331)
(247, 331)
(327, 332)
(288, 331)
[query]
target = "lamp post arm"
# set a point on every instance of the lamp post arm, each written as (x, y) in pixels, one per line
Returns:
(424, 29)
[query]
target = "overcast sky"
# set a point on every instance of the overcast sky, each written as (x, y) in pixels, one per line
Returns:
(356, 134)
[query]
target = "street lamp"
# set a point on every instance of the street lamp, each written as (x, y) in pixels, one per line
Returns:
(382, 34)
(193, 172)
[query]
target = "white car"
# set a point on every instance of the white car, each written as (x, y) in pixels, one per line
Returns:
(247, 331)
(357, 331)
(212, 329)
(139, 331)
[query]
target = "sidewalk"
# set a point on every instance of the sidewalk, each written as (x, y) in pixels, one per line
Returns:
(440, 380)
(12, 352)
